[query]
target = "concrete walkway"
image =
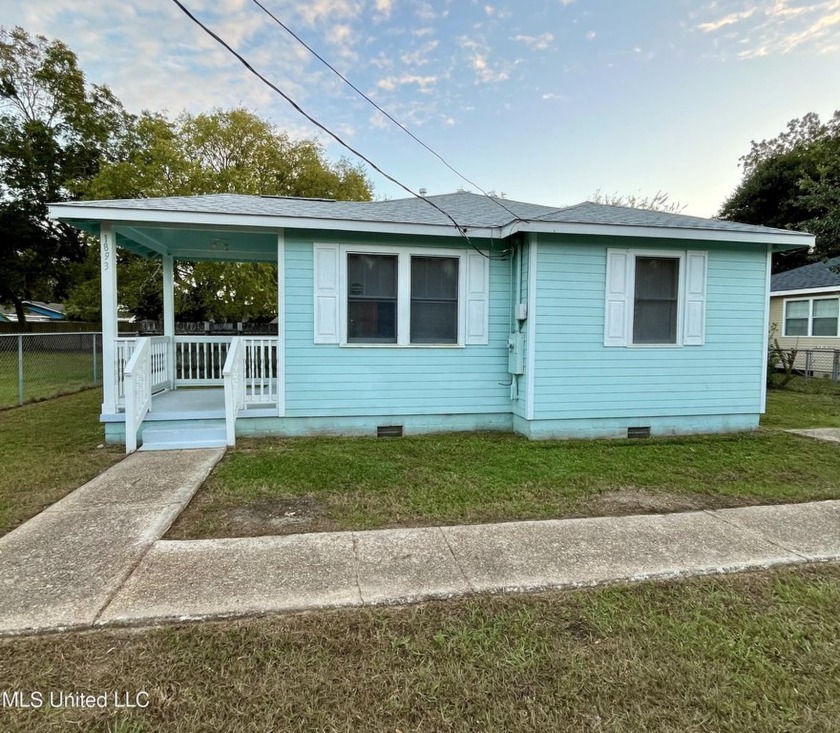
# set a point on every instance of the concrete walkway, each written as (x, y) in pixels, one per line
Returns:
(61, 568)
(94, 559)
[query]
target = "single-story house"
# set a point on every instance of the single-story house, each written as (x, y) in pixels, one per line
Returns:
(36, 312)
(805, 315)
(581, 321)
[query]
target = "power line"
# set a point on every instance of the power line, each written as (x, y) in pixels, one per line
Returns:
(375, 105)
(461, 230)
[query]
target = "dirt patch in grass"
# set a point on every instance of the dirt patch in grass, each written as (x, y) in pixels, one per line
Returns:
(639, 501)
(747, 652)
(282, 516)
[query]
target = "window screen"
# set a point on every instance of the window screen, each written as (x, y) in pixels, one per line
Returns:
(434, 300)
(371, 298)
(796, 317)
(655, 300)
(825, 317)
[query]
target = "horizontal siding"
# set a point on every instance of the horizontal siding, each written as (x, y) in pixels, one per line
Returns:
(329, 380)
(578, 377)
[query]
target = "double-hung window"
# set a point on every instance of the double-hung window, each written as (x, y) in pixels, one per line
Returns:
(812, 317)
(655, 298)
(400, 297)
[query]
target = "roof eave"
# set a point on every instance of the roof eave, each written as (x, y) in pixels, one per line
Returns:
(780, 242)
(806, 291)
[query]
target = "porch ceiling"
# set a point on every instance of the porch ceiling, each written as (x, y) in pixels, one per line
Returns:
(194, 242)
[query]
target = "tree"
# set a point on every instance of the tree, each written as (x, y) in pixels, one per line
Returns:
(55, 129)
(223, 151)
(792, 181)
(658, 202)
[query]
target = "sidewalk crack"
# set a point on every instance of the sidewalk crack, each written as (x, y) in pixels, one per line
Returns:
(356, 564)
(455, 559)
(714, 515)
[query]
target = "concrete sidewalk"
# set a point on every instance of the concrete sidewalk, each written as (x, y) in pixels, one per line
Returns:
(95, 558)
(61, 568)
(231, 577)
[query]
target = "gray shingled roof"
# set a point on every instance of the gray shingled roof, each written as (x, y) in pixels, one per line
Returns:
(468, 209)
(818, 275)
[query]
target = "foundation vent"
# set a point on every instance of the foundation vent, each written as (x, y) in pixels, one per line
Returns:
(639, 432)
(389, 431)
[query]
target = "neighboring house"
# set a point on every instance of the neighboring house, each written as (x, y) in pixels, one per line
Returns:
(584, 321)
(805, 315)
(36, 312)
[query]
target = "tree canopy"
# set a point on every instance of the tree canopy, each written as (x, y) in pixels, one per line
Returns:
(792, 181)
(222, 151)
(660, 201)
(55, 130)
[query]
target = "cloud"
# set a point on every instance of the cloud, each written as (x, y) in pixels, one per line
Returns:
(478, 61)
(424, 83)
(554, 95)
(590, 35)
(537, 43)
(778, 27)
(384, 6)
(726, 20)
(419, 56)
(314, 12)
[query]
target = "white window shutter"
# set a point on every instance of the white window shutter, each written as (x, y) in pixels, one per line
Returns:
(478, 305)
(617, 298)
(694, 327)
(327, 293)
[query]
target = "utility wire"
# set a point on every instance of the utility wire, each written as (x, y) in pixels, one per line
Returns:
(461, 230)
(375, 105)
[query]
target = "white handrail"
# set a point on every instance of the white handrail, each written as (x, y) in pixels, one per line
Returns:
(261, 370)
(233, 375)
(138, 391)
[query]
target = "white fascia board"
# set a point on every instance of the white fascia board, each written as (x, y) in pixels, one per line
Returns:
(622, 230)
(804, 291)
(263, 223)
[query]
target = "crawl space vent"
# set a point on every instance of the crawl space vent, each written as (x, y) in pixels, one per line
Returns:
(389, 431)
(640, 432)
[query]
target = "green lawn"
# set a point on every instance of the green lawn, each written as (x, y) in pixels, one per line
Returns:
(46, 374)
(812, 403)
(749, 652)
(48, 449)
(324, 484)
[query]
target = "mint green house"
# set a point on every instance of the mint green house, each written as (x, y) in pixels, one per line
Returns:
(585, 321)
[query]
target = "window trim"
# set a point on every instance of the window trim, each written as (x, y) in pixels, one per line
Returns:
(403, 255)
(810, 301)
(666, 254)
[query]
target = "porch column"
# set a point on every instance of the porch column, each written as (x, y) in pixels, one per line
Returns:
(169, 314)
(281, 323)
(108, 269)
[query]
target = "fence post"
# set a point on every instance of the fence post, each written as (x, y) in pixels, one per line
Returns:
(94, 359)
(20, 369)
(835, 367)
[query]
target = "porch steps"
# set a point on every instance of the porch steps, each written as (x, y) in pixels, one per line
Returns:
(168, 437)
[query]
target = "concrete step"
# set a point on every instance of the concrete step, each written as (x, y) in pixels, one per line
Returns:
(158, 437)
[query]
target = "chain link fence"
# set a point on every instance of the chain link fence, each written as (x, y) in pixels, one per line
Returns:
(37, 366)
(822, 363)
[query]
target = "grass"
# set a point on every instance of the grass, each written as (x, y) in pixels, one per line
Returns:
(46, 374)
(47, 450)
(325, 484)
(812, 403)
(756, 652)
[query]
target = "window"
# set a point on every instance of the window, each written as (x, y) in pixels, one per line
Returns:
(655, 300)
(434, 300)
(371, 299)
(812, 317)
(375, 295)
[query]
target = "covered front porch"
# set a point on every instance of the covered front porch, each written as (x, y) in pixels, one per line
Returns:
(186, 390)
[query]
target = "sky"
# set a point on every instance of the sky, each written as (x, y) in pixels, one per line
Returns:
(546, 101)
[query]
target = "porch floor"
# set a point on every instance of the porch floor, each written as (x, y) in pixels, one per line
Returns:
(204, 400)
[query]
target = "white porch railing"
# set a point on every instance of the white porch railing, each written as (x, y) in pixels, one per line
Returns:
(260, 370)
(159, 373)
(199, 361)
(234, 378)
(138, 390)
